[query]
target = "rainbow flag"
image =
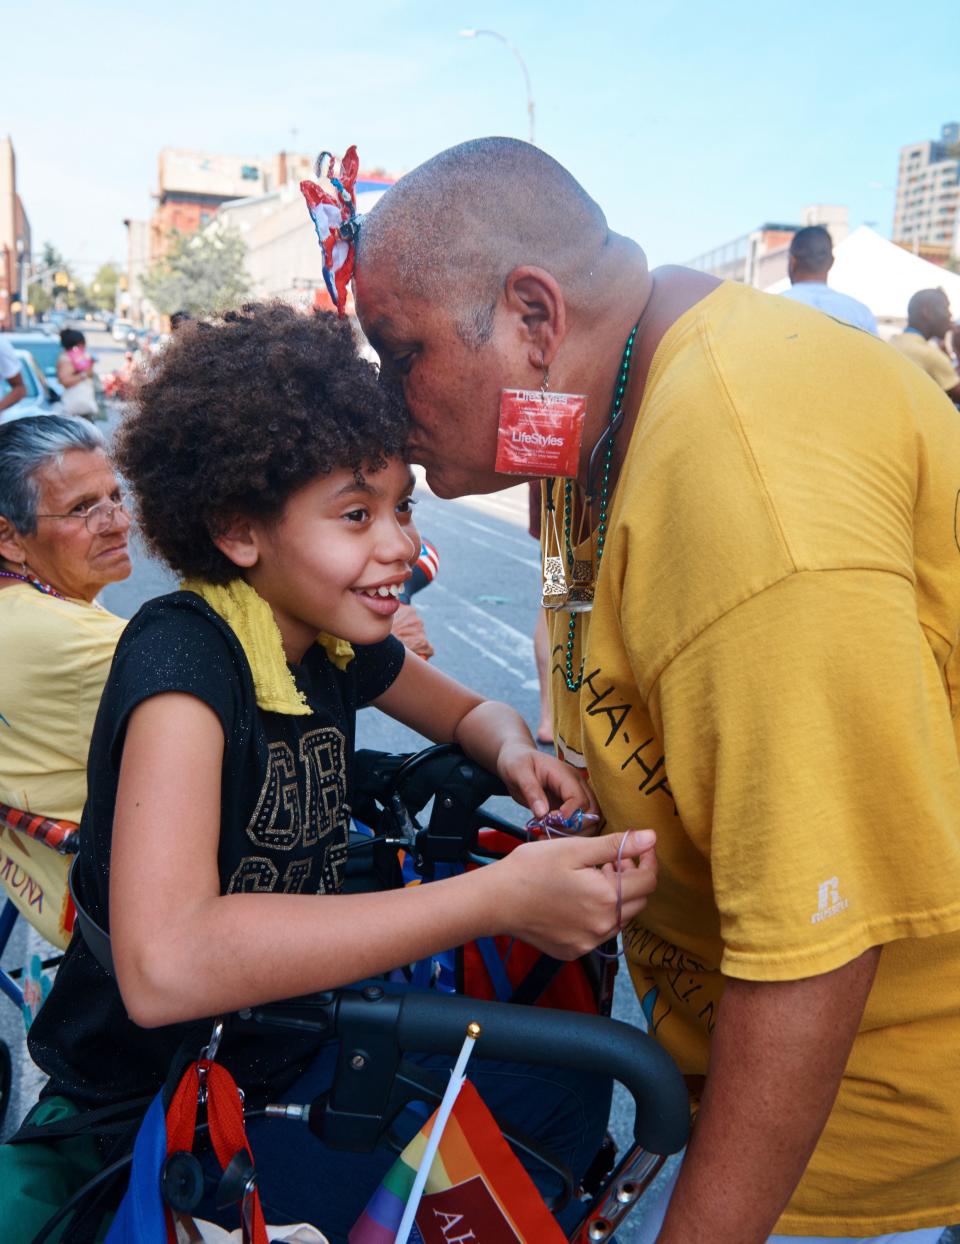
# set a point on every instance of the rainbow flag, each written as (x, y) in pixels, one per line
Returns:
(476, 1185)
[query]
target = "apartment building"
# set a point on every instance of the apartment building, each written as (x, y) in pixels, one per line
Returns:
(928, 195)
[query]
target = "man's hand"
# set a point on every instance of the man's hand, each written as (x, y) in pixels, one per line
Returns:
(540, 781)
(409, 629)
(776, 1060)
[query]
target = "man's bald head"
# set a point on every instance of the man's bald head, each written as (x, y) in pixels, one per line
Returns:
(457, 226)
(928, 311)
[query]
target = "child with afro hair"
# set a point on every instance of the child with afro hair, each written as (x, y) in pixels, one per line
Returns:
(266, 465)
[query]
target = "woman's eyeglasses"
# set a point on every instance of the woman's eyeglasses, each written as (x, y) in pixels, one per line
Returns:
(98, 518)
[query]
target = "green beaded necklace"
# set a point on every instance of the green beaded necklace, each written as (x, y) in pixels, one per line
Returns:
(608, 441)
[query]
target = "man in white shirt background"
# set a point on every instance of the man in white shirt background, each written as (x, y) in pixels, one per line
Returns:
(10, 372)
(811, 258)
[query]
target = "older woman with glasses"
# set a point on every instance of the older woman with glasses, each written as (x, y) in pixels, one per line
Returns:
(63, 537)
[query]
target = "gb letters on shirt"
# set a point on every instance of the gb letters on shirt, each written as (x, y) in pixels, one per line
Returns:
(299, 826)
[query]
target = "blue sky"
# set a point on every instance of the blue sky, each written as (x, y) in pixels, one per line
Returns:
(690, 122)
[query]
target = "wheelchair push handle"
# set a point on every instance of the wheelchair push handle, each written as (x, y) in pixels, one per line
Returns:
(434, 1024)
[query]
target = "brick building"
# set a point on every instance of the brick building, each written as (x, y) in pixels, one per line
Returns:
(14, 240)
(192, 185)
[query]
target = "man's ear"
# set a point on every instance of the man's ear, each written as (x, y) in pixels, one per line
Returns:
(791, 269)
(237, 540)
(536, 298)
(11, 545)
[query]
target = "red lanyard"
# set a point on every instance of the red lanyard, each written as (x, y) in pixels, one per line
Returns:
(225, 1117)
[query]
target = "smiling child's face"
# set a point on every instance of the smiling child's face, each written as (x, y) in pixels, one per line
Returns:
(336, 558)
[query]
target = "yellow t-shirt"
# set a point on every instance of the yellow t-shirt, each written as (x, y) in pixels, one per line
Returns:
(926, 355)
(772, 682)
(56, 657)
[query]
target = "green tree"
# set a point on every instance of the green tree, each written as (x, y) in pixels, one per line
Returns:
(39, 298)
(57, 278)
(76, 295)
(52, 258)
(102, 290)
(201, 273)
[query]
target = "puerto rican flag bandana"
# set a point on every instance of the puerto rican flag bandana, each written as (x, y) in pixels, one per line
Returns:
(336, 221)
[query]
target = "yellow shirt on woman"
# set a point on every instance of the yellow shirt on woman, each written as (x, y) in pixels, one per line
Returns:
(772, 682)
(54, 659)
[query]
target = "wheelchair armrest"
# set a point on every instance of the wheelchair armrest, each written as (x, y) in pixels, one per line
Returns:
(59, 835)
(437, 1024)
(379, 1018)
(377, 1023)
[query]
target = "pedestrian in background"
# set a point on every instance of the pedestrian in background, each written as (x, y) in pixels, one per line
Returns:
(811, 258)
(923, 340)
(75, 373)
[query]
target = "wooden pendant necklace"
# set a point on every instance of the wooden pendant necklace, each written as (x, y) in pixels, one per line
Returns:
(583, 573)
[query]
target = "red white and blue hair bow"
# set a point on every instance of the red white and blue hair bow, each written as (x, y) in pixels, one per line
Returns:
(336, 221)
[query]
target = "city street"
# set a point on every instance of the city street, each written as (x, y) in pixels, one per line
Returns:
(757, 390)
(479, 614)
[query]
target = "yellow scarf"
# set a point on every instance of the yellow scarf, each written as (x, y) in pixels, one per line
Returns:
(251, 619)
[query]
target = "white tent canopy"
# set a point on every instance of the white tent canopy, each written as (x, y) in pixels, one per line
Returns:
(884, 276)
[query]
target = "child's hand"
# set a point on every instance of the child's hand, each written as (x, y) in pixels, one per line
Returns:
(561, 896)
(533, 776)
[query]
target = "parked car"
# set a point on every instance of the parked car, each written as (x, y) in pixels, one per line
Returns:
(45, 350)
(122, 329)
(36, 401)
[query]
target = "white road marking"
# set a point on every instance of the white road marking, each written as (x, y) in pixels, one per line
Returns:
(527, 544)
(488, 653)
(502, 552)
(510, 505)
(517, 637)
(498, 548)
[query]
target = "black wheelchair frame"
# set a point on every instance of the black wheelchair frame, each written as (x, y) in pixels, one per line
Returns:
(377, 1025)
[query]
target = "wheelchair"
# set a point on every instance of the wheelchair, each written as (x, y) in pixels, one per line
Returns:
(35, 857)
(425, 814)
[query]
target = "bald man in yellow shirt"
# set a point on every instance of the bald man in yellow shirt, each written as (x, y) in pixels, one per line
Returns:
(769, 674)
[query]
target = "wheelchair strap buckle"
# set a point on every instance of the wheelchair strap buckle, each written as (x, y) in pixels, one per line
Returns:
(208, 1055)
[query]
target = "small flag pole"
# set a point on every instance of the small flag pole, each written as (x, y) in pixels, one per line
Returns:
(457, 1077)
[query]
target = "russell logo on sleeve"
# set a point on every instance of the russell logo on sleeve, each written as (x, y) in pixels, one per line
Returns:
(829, 902)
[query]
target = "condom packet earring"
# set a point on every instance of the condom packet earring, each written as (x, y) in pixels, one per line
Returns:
(540, 432)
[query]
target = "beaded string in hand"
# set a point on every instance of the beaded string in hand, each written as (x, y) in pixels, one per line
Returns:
(556, 825)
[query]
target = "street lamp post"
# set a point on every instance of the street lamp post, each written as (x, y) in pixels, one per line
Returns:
(495, 34)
